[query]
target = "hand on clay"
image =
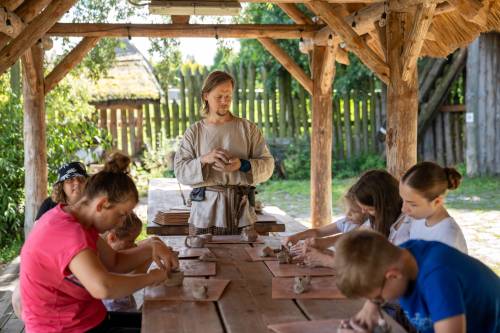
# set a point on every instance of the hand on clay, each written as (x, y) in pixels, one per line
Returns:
(317, 258)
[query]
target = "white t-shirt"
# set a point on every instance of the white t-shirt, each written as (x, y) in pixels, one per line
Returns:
(446, 231)
(345, 225)
(402, 233)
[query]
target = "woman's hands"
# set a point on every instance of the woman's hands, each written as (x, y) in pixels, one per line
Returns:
(163, 255)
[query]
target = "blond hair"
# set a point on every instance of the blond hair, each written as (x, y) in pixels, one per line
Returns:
(213, 80)
(361, 260)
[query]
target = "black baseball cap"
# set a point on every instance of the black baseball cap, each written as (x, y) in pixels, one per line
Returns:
(71, 170)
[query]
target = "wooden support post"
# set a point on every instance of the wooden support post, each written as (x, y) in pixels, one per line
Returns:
(402, 105)
(175, 119)
(243, 87)
(103, 118)
(12, 4)
(251, 92)
(147, 123)
(33, 32)
(69, 62)
(282, 96)
(131, 127)
(157, 121)
(321, 140)
(140, 130)
(347, 125)
(166, 111)
(35, 146)
(286, 61)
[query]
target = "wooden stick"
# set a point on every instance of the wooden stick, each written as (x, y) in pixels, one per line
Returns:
(180, 19)
(69, 62)
(279, 31)
(33, 32)
(328, 69)
(15, 24)
(413, 44)
(12, 4)
(295, 13)
(309, 1)
(355, 43)
(284, 59)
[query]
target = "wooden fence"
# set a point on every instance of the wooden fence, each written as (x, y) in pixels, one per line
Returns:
(282, 110)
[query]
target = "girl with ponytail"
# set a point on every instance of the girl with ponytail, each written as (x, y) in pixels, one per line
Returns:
(67, 268)
(423, 189)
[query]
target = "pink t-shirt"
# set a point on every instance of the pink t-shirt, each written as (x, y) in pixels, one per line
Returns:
(53, 299)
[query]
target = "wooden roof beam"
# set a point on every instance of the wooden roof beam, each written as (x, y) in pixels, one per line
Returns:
(328, 69)
(180, 19)
(33, 32)
(413, 44)
(276, 31)
(295, 13)
(309, 1)
(27, 11)
(70, 61)
(355, 43)
(12, 4)
(286, 61)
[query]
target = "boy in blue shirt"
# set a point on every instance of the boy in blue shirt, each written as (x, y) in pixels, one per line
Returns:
(440, 289)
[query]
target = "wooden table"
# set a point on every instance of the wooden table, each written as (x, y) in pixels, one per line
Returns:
(246, 304)
(165, 193)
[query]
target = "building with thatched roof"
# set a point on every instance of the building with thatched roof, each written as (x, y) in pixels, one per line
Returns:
(129, 81)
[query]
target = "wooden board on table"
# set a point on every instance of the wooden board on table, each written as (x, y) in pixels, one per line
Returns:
(254, 253)
(232, 239)
(265, 218)
(316, 326)
(192, 253)
(246, 306)
(292, 270)
(197, 268)
(322, 287)
(170, 317)
(215, 288)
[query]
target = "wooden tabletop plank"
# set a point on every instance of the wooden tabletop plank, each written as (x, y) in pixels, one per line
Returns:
(246, 306)
(180, 317)
(328, 309)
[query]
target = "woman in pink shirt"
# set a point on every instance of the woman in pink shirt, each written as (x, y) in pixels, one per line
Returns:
(66, 268)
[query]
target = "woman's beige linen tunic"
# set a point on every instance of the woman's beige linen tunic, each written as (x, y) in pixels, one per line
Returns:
(242, 139)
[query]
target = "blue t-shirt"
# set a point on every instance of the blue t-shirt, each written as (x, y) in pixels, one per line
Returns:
(450, 283)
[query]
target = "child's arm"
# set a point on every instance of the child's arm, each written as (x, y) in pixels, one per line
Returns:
(451, 325)
(101, 284)
(127, 260)
(326, 230)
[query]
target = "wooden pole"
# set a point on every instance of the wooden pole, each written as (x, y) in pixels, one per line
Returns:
(259, 111)
(123, 118)
(357, 124)
(274, 108)
(140, 130)
(103, 119)
(402, 105)
(175, 116)
(69, 62)
(364, 120)
(347, 125)
(191, 98)
(166, 110)
(157, 122)
(182, 87)
(282, 115)
(243, 87)
(267, 118)
(236, 91)
(131, 127)
(251, 92)
(147, 122)
(321, 141)
(35, 148)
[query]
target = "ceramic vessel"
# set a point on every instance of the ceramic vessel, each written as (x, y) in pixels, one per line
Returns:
(200, 292)
(175, 279)
(266, 252)
(195, 241)
(301, 284)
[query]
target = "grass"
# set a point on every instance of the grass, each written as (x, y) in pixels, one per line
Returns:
(10, 251)
(481, 193)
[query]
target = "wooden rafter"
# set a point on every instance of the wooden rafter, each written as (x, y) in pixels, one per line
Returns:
(10, 24)
(69, 62)
(31, 74)
(27, 11)
(355, 43)
(180, 19)
(295, 13)
(33, 32)
(413, 44)
(284, 59)
(309, 1)
(278, 31)
(11, 4)
(469, 9)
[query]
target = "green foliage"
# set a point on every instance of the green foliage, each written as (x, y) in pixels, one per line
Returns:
(166, 69)
(11, 168)
(298, 162)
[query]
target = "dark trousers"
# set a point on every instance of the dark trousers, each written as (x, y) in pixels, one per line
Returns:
(119, 322)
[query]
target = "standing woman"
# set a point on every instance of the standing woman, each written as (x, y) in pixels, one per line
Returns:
(66, 268)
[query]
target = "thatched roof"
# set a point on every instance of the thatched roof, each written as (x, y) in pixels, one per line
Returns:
(129, 78)
(451, 30)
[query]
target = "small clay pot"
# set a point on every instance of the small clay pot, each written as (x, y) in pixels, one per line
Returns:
(175, 279)
(194, 241)
(200, 292)
(266, 252)
(249, 234)
(284, 256)
(301, 284)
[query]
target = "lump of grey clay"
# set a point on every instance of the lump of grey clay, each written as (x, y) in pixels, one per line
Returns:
(207, 256)
(200, 292)
(175, 279)
(301, 284)
(266, 252)
(284, 256)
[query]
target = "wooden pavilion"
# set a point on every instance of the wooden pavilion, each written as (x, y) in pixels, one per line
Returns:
(387, 36)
